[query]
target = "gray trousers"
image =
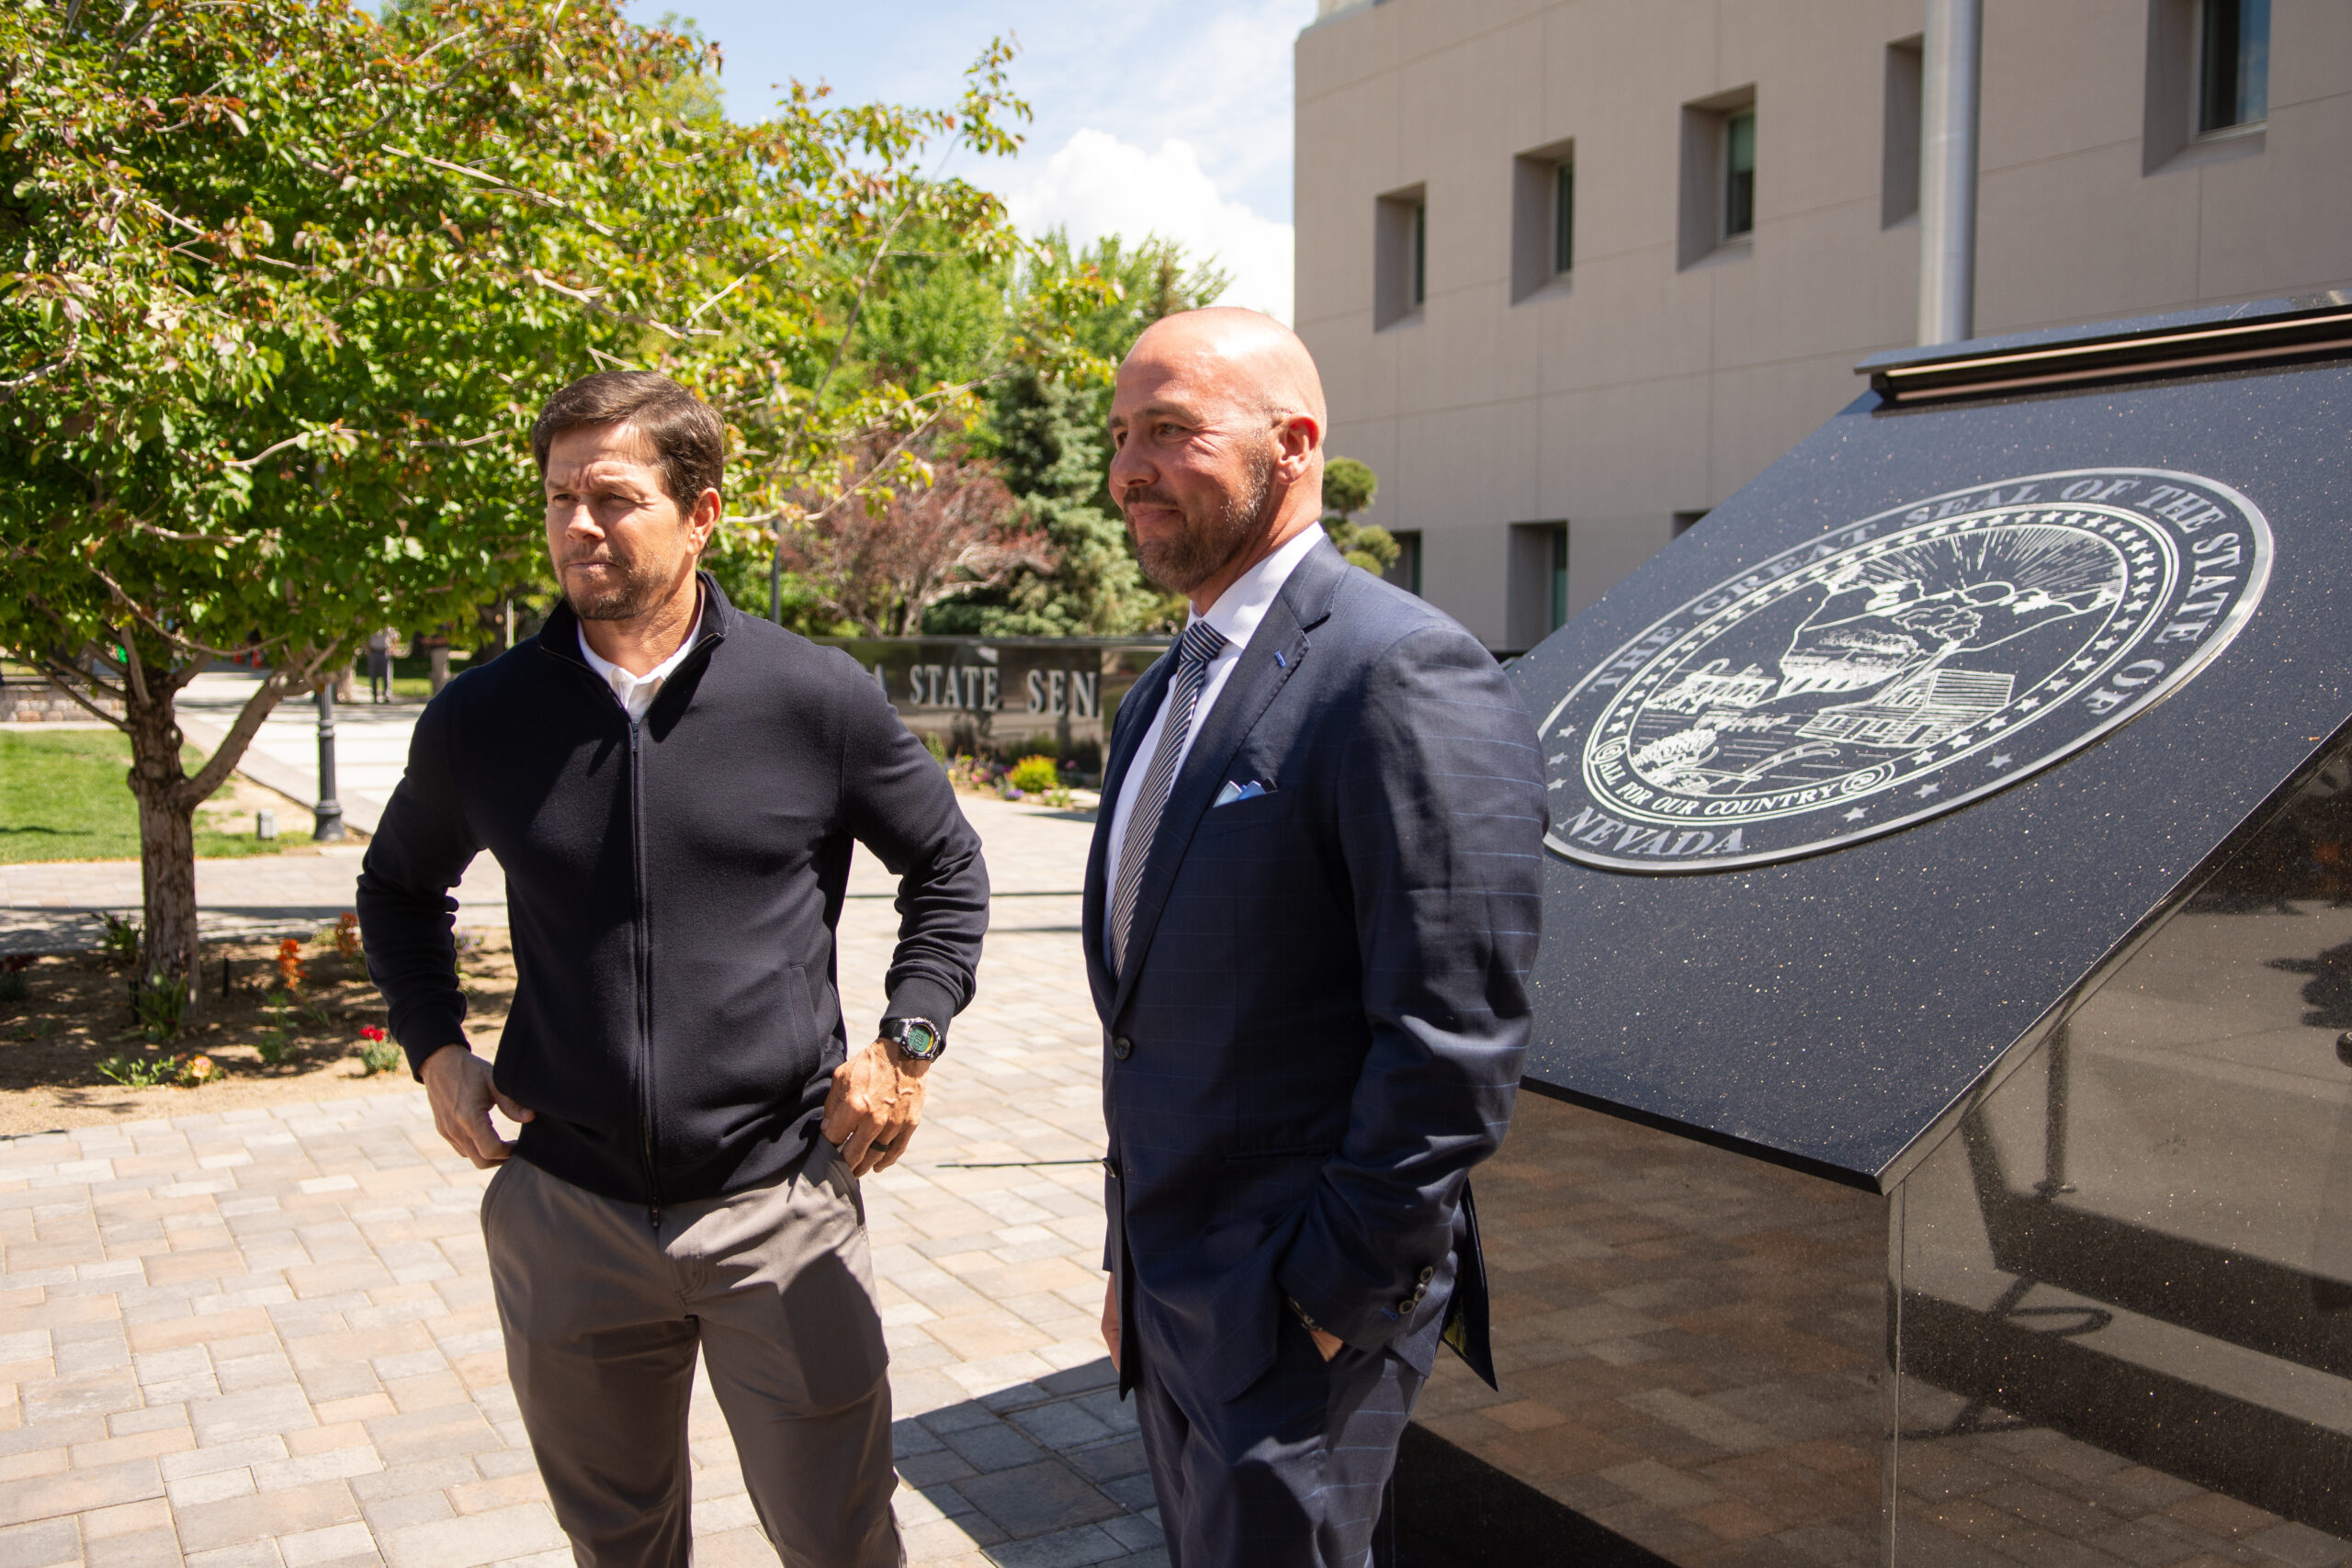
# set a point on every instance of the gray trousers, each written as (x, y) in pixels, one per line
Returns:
(603, 1316)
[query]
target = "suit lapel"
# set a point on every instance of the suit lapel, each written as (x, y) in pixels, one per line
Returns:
(1136, 709)
(1304, 601)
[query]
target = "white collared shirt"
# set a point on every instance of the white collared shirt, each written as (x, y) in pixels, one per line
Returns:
(1236, 613)
(636, 692)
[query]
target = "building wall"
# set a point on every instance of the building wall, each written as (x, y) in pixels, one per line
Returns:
(1637, 387)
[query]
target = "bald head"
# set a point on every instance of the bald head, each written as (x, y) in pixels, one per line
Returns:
(1216, 432)
(1259, 360)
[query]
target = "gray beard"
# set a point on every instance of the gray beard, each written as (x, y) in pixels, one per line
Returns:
(1202, 552)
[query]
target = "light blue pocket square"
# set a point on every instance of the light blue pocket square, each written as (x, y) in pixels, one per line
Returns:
(1233, 792)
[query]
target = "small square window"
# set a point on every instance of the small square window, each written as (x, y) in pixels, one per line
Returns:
(1543, 219)
(1405, 573)
(1538, 582)
(2232, 64)
(1399, 256)
(1739, 174)
(1717, 199)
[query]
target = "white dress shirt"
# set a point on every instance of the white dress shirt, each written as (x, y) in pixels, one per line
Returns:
(636, 692)
(1236, 613)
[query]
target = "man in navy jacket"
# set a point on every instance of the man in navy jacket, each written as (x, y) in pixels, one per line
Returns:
(1312, 904)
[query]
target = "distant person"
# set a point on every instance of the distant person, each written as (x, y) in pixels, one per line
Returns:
(1310, 911)
(672, 788)
(379, 666)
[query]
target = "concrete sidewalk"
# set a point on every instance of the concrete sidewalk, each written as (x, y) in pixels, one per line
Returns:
(266, 1339)
(58, 906)
(370, 747)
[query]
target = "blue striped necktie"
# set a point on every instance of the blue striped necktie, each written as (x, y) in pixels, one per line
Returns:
(1202, 642)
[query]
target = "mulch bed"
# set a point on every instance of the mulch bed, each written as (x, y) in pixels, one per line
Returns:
(66, 1042)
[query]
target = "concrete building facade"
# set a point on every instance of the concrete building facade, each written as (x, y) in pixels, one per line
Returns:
(1575, 270)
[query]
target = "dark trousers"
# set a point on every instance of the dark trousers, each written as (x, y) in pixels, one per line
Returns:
(1289, 1475)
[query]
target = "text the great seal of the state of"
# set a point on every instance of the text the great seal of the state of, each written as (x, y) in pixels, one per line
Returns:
(1900, 666)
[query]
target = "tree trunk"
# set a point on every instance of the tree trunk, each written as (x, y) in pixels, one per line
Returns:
(166, 836)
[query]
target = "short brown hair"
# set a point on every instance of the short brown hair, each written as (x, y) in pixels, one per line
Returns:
(688, 441)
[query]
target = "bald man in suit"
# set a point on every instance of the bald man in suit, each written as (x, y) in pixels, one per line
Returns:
(1312, 904)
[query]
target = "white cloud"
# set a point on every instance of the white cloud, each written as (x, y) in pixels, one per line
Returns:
(1097, 184)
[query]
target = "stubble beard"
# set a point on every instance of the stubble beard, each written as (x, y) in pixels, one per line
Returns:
(1207, 545)
(634, 589)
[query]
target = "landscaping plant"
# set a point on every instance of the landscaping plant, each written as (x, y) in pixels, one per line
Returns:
(378, 1052)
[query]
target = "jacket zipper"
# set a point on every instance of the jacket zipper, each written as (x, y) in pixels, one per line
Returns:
(640, 939)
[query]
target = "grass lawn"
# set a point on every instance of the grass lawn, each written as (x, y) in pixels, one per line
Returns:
(63, 797)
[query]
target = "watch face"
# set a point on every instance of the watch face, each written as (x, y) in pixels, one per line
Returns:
(918, 1039)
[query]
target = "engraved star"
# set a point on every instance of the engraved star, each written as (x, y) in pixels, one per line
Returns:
(1996, 724)
(1555, 762)
(1925, 790)
(1557, 783)
(2002, 760)
(1856, 815)
(2106, 643)
(2030, 703)
(2058, 686)
(1926, 756)
(2082, 663)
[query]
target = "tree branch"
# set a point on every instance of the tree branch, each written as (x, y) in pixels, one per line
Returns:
(232, 749)
(539, 199)
(60, 675)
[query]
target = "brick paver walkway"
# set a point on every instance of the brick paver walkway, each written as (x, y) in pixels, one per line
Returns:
(265, 1337)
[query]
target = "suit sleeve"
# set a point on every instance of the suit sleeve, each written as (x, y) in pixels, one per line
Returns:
(1440, 821)
(900, 805)
(421, 851)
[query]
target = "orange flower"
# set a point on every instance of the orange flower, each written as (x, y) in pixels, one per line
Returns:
(346, 935)
(290, 962)
(199, 1069)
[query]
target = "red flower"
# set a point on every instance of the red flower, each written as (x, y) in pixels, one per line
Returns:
(370, 1033)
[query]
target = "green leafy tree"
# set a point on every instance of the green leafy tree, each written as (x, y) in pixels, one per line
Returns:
(1047, 431)
(286, 284)
(1348, 488)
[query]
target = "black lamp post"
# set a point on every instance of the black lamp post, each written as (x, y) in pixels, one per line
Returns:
(329, 811)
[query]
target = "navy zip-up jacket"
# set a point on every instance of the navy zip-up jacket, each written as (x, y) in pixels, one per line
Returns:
(673, 888)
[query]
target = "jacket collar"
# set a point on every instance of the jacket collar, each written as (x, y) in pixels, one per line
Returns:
(559, 634)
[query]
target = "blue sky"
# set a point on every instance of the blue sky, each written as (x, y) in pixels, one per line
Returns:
(1171, 116)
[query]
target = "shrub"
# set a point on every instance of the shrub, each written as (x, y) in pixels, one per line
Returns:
(1033, 774)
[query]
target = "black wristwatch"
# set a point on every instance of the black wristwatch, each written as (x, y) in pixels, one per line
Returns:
(918, 1039)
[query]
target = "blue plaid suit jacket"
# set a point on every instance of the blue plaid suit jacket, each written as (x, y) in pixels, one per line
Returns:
(1320, 1026)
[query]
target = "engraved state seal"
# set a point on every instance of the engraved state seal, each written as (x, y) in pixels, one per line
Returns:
(1899, 667)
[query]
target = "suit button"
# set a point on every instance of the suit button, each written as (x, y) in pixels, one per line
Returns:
(1405, 1308)
(1427, 1275)
(1122, 1047)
